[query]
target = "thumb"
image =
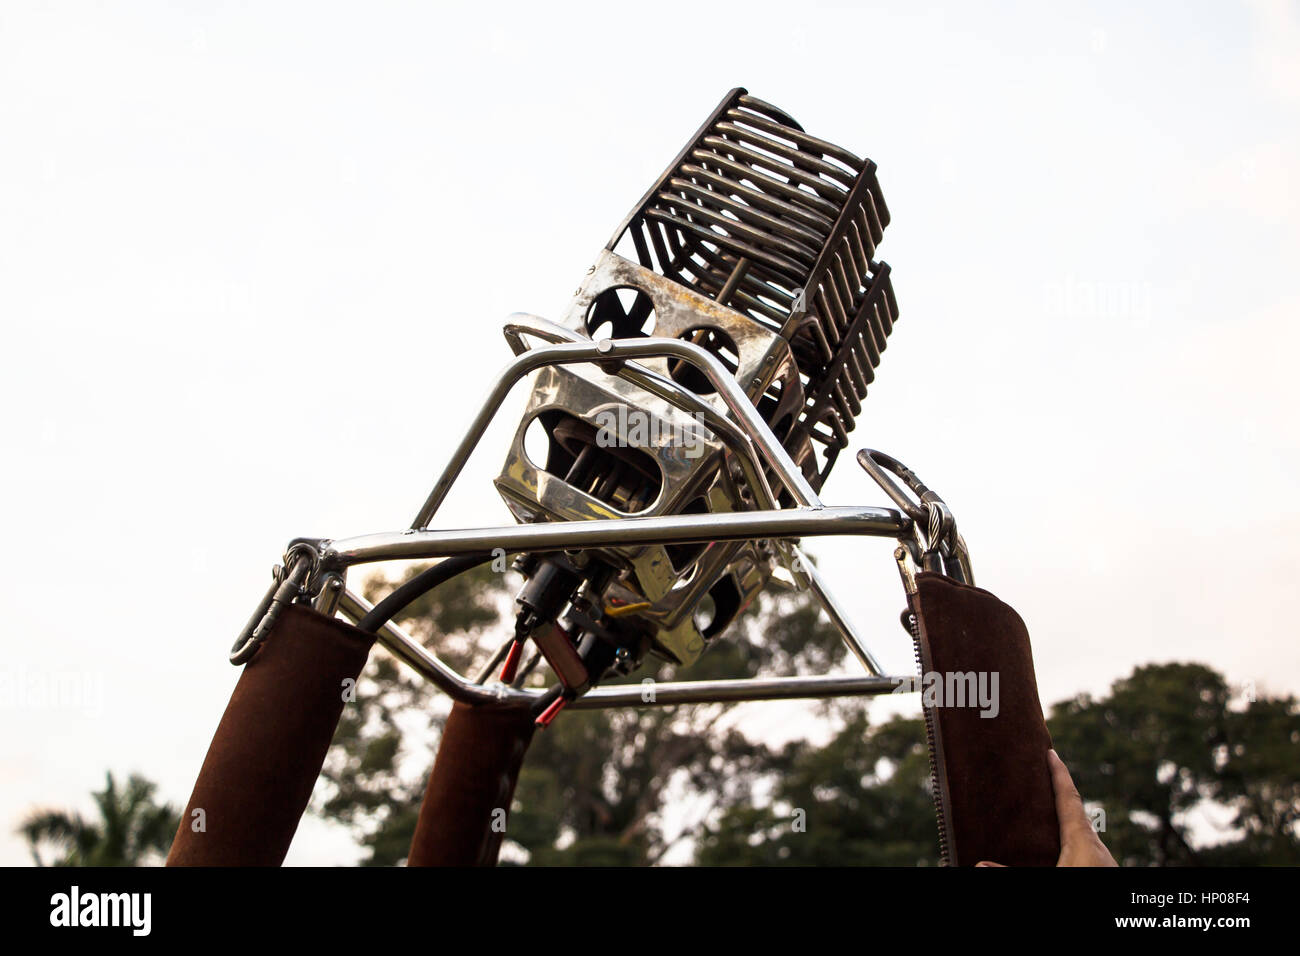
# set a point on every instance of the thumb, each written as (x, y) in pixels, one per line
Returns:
(1070, 813)
(989, 863)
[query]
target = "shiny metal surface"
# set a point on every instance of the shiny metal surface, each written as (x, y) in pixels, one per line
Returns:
(735, 526)
(522, 325)
(734, 691)
(731, 394)
(667, 597)
(655, 694)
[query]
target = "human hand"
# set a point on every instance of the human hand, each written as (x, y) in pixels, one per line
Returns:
(1080, 844)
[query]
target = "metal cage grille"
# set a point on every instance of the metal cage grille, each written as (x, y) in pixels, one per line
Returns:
(781, 227)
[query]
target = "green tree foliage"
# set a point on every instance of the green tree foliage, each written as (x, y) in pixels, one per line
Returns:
(132, 829)
(1260, 783)
(1170, 739)
(863, 799)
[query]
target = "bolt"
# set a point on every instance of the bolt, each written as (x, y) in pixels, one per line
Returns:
(605, 346)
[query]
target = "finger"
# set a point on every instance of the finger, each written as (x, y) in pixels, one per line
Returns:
(1071, 815)
(989, 863)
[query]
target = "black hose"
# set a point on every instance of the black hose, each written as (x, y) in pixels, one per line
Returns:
(418, 586)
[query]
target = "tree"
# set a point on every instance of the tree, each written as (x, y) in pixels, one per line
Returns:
(1168, 740)
(1259, 782)
(862, 800)
(132, 829)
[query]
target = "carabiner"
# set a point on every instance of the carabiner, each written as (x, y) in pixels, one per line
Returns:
(944, 550)
(289, 585)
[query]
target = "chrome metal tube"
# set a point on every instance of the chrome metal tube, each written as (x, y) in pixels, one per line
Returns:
(653, 694)
(610, 532)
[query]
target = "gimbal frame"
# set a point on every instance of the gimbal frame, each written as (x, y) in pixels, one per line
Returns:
(315, 570)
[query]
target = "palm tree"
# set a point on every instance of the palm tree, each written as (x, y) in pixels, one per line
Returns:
(131, 828)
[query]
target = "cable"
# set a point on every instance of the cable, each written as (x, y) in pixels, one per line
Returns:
(418, 586)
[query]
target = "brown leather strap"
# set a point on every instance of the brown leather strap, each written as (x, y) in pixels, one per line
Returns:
(994, 780)
(463, 816)
(271, 742)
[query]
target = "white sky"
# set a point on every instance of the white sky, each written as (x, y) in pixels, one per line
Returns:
(254, 260)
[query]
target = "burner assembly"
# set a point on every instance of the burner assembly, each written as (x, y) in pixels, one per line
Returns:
(684, 412)
(757, 246)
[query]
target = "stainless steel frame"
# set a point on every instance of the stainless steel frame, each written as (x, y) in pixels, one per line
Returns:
(319, 569)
